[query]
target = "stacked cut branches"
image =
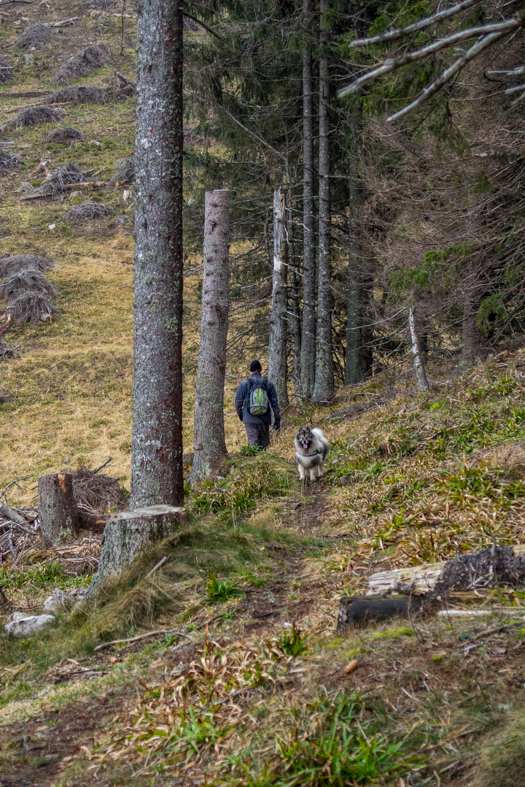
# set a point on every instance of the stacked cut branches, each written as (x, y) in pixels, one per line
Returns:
(125, 173)
(6, 351)
(82, 64)
(19, 532)
(7, 70)
(22, 262)
(79, 94)
(86, 211)
(27, 292)
(37, 115)
(55, 184)
(7, 162)
(37, 36)
(65, 134)
(97, 492)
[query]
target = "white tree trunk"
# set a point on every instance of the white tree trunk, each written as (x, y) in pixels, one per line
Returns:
(419, 364)
(209, 445)
(277, 371)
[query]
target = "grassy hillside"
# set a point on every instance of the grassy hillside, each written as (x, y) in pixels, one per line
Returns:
(243, 679)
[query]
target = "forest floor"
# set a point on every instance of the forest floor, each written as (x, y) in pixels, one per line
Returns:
(245, 683)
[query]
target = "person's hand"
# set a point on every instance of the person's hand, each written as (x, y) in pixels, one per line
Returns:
(240, 416)
(276, 426)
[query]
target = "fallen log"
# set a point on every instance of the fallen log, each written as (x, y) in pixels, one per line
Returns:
(357, 611)
(418, 580)
(12, 515)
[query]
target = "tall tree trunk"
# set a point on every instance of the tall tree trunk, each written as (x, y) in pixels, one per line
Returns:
(308, 329)
(156, 464)
(472, 338)
(209, 445)
(277, 371)
(419, 363)
(354, 360)
(324, 366)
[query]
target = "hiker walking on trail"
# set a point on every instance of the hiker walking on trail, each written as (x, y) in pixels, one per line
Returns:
(255, 396)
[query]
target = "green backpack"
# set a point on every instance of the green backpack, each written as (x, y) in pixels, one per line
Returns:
(259, 403)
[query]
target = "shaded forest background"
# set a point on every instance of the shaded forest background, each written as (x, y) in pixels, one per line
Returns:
(425, 212)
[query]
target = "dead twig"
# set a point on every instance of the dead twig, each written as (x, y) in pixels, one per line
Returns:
(141, 636)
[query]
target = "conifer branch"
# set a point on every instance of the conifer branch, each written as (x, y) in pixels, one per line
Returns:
(395, 63)
(393, 34)
(253, 134)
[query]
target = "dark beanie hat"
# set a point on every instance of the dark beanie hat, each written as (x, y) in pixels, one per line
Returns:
(255, 366)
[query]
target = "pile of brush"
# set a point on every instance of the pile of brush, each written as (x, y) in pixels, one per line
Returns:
(7, 162)
(86, 211)
(25, 289)
(82, 64)
(56, 182)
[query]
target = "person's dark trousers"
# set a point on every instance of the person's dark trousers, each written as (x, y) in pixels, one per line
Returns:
(258, 434)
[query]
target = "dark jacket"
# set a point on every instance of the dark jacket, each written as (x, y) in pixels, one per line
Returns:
(242, 400)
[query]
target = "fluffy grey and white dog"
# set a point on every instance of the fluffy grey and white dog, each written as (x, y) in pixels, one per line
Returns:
(311, 450)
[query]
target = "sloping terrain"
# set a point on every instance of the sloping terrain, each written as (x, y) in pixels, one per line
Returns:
(228, 668)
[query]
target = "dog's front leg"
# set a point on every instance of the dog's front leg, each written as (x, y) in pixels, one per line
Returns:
(301, 472)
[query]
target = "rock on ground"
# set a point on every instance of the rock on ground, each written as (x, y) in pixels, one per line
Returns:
(23, 625)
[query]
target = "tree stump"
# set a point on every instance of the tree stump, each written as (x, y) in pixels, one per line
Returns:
(58, 512)
(128, 533)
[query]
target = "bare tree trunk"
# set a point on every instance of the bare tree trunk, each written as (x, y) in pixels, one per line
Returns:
(277, 371)
(209, 445)
(294, 309)
(354, 361)
(472, 338)
(57, 510)
(324, 366)
(156, 465)
(308, 329)
(419, 364)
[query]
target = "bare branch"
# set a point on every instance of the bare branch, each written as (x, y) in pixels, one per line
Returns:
(392, 34)
(410, 57)
(253, 134)
(451, 72)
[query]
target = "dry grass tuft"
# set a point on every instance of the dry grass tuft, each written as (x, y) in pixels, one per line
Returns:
(7, 70)
(22, 262)
(82, 64)
(54, 185)
(35, 36)
(32, 307)
(37, 115)
(7, 162)
(97, 492)
(65, 134)
(87, 210)
(125, 172)
(25, 281)
(80, 94)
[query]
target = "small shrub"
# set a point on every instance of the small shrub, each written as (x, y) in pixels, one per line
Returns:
(220, 590)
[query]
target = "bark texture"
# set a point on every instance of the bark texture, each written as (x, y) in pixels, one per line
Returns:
(419, 364)
(156, 472)
(209, 445)
(308, 327)
(354, 357)
(277, 371)
(128, 533)
(57, 510)
(472, 338)
(324, 366)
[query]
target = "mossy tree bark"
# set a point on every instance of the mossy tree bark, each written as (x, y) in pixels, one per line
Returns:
(277, 368)
(308, 326)
(57, 511)
(324, 364)
(209, 445)
(156, 473)
(127, 534)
